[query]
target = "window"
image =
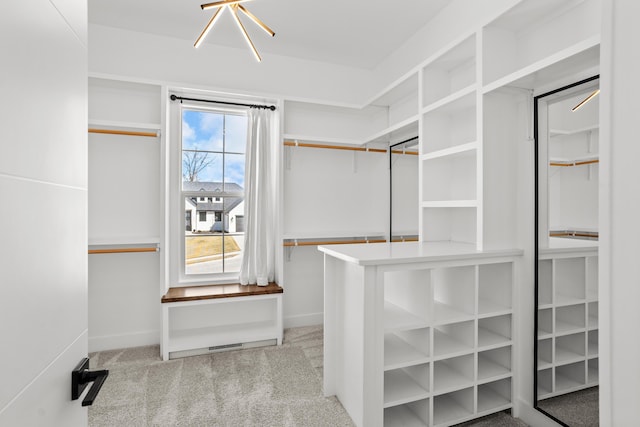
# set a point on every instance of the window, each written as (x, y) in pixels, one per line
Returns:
(212, 150)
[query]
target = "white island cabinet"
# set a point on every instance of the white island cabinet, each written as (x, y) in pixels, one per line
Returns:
(418, 333)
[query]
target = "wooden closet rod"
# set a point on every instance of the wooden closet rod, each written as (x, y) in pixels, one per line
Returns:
(330, 242)
(121, 250)
(335, 147)
(124, 132)
(571, 234)
(584, 162)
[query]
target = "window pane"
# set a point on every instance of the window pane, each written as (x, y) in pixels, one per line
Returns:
(234, 172)
(236, 134)
(214, 245)
(202, 130)
(201, 166)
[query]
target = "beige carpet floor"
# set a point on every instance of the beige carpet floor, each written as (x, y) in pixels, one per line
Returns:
(268, 386)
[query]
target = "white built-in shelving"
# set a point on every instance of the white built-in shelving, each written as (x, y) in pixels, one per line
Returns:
(446, 329)
(567, 321)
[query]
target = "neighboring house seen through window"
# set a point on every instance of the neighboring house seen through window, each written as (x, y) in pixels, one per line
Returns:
(213, 160)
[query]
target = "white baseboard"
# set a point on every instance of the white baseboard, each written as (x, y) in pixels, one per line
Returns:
(113, 342)
(311, 319)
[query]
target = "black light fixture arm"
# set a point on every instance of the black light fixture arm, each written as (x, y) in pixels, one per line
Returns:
(240, 104)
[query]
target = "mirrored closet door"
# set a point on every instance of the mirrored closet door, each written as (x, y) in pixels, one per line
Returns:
(566, 342)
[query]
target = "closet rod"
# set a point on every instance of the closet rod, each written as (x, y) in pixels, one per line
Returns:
(335, 147)
(330, 242)
(121, 250)
(182, 98)
(572, 234)
(585, 162)
(123, 132)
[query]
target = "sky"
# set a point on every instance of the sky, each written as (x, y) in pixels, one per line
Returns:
(205, 131)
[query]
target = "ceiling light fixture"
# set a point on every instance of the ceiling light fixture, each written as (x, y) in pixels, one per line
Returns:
(587, 99)
(233, 6)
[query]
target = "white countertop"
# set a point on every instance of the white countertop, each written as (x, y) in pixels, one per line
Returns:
(409, 252)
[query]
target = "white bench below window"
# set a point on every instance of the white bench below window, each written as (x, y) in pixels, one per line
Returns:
(202, 319)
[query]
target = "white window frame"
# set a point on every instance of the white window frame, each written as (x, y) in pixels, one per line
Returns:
(176, 204)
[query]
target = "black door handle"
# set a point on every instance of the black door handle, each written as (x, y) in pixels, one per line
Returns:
(81, 376)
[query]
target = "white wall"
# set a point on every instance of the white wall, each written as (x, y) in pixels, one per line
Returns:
(170, 60)
(43, 168)
(619, 213)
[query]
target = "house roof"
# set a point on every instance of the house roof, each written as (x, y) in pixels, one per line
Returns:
(215, 187)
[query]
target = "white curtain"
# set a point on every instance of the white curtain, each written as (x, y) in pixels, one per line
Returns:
(258, 262)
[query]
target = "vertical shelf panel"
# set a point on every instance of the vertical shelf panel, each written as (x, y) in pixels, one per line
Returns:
(545, 289)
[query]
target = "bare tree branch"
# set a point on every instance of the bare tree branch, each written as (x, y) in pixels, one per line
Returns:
(194, 162)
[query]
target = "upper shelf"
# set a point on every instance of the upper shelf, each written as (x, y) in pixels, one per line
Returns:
(563, 132)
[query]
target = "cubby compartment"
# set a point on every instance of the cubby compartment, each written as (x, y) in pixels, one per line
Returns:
(545, 322)
(405, 385)
(592, 318)
(570, 348)
(453, 294)
(493, 364)
(453, 374)
(494, 331)
(532, 31)
(449, 224)
(405, 348)
(453, 339)
(592, 278)
(545, 382)
(592, 371)
(494, 396)
(406, 299)
(545, 353)
(494, 288)
(449, 125)
(451, 407)
(451, 177)
(592, 343)
(570, 377)
(569, 280)
(570, 318)
(545, 287)
(414, 414)
(450, 73)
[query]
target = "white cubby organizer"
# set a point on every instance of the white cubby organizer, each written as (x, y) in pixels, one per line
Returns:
(470, 103)
(567, 321)
(442, 352)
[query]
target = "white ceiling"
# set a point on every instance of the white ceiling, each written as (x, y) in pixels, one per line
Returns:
(359, 33)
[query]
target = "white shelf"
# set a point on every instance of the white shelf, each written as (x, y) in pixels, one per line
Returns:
(321, 139)
(487, 338)
(403, 129)
(398, 353)
(401, 416)
(398, 319)
(445, 314)
(397, 91)
(115, 124)
(123, 241)
(460, 149)
(447, 345)
(400, 388)
(450, 204)
(563, 132)
(460, 100)
(447, 379)
(449, 410)
(491, 308)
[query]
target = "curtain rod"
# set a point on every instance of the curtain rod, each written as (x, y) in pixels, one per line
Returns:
(181, 98)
